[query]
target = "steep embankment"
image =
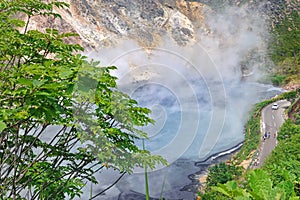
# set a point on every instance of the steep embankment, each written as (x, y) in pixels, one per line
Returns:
(284, 46)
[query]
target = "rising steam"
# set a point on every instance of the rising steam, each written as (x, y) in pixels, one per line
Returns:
(197, 93)
(198, 83)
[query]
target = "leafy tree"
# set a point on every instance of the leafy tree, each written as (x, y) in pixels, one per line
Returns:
(221, 173)
(286, 33)
(62, 118)
(284, 162)
(231, 190)
(284, 47)
(288, 129)
(258, 186)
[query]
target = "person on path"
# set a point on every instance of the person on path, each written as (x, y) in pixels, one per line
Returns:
(265, 136)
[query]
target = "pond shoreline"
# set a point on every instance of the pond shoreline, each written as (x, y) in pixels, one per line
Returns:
(198, 176)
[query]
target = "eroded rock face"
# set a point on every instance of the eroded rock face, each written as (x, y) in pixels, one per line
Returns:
(103, 23)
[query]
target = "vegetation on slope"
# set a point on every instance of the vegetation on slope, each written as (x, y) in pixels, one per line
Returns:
(278, 178)
(48, 90)
(285, 49)
(252, 127)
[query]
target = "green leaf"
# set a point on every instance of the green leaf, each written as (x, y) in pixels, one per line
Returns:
(25, 81)
(45, 84)
(37, 83)
(48, 63)
(2, 126)
(222, 189)
(260, 183)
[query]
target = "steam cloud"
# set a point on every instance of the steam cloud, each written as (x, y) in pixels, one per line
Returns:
(203, 78)
(197, 93)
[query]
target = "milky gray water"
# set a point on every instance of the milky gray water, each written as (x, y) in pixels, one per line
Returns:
(200, 109)
(200, 96)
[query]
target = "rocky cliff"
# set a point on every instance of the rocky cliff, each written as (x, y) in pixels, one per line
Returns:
(104, 22)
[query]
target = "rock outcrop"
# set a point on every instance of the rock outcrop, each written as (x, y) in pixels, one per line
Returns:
(103, 23)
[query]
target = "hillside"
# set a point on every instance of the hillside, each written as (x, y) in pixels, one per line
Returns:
(247, 41)
(105, 23)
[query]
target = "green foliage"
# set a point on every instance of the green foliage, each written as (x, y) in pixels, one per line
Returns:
(287, 130)
(297, 118)
(284, 161)
(287, 71)
(258, 186)
(2, 126)
(286, 37)
(112, 126)
(47, 91)
(221, 173)
(278, 79)
(260, 183)
(232, 190)
(262, 187)
(285, 50)
(290, 96)
(294, 110)
(41, 173)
